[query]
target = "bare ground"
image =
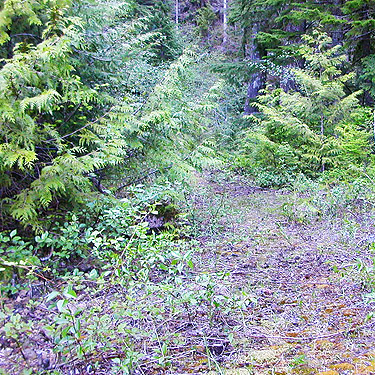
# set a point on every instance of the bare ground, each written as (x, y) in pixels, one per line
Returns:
(307, 313)
(275, 289)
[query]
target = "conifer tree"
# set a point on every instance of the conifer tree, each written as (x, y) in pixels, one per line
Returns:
(272, 32)
(299, 129)
(86, 99)
(50, 143)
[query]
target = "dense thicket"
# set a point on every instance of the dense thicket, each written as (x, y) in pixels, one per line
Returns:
(88, 91)
(307, 68)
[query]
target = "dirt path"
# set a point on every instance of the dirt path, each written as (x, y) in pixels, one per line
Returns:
(296, 295)
(274, 287)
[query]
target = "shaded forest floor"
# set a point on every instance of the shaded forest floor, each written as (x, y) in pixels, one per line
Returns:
(276, 288)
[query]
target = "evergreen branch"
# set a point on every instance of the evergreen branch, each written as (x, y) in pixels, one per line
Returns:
(153, 171)
(77, 107)
(26, 34)
(142, 178)
(91, 55)
(83, 127)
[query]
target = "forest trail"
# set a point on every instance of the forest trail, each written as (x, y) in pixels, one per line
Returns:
(299, 306)
(267, 285)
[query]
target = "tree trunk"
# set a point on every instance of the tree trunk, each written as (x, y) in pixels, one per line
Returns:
(176, 12)
(287, 81)
(225, 22)
(338, 31)
(255, 85)
(258, 79)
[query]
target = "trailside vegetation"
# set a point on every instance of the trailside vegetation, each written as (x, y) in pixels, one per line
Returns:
(75, 107)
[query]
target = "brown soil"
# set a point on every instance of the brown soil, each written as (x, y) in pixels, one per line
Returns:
(306, 312)
(275, 289)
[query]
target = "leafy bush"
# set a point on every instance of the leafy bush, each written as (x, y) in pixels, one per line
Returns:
(17, 260)
(269, 163)
(108, 232)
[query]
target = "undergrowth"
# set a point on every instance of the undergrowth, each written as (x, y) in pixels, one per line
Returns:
(107, 290)
(107, 253)
(313, 199)
(111, 291)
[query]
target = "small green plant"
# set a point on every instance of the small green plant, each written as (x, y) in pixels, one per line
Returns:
(366, 272)
(67, 327)
(78, 334)
(17, 260)
(16, 329)
(298, 361)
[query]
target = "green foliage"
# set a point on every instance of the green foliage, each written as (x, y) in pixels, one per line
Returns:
(361, 15)
(124, 255)
(271, 34)
(282, 162)
(17, 261)
(158, 21)
(97, 234)
(356, 144)
(205, 17)
(176, 137)
(59, 132)
(78, 334)
(367, 76)
(46, 135)
(16, 328)
(327, 197)
(122, 46)
(310, 130)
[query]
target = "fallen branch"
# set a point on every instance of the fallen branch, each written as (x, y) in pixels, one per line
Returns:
(309, 338)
